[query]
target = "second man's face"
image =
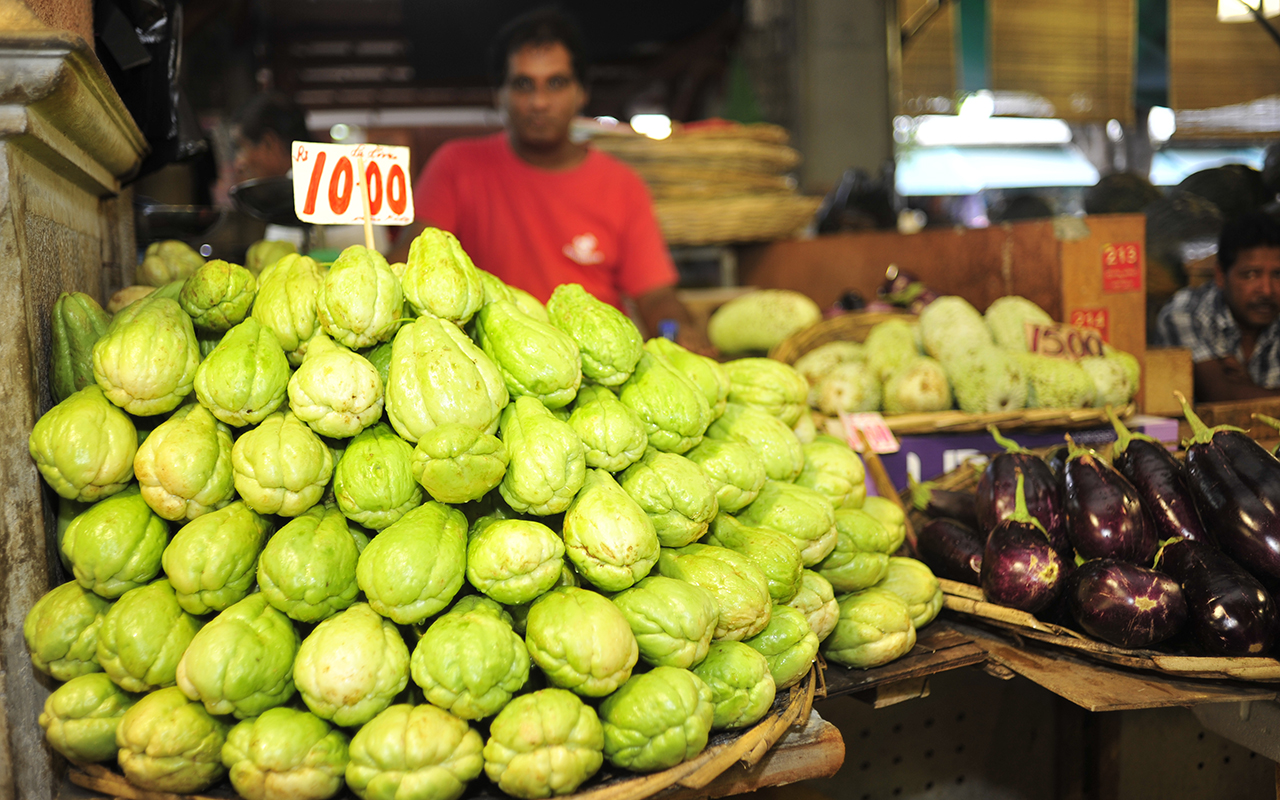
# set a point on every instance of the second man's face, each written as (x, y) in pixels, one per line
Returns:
(541, 96)
(1252, 287)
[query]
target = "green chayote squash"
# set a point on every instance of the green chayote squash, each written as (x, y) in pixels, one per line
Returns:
(734, 468)
(613, 434)
(801, 513)
(81, 716)
(360, 299)
(581, 641)
(787, 644)
(116, 544)
(265, 252)
(307, 569)
(440, 279)
(860, 558)
(412, 569)
(777, 445)
(168, 261)
(213, 560)
(470, 662)
(769, 385)
(608, 537)
(373, 482)
(351, 666)
(674, 411)
(494, 287)
(335, 391)
(739, 587)
(707, 374)
(536, 359)
(286, 302)
(742, 687)
(831, 467)
(380, 357)
(285, 754)
(916, 584)
(657, 720)
(438, 375)
(218, 296)
(547, 726)
(281, 467)
(529, 304)
(873, 629)
(514, 561)
(817, 601)
(171, 744)
(546, 464)
(456, 463)
(891, 515)
(146, 363)
(244, 379)
(675, 493)
(142, 637)
(84, 446)
(241, 663)
(414, 752)
(673, 621)
(607, 339)
(184, 465)
(61, 631)
(776, 554)
(76, 324)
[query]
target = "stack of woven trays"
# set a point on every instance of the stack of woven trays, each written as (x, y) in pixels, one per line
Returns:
(719, 184)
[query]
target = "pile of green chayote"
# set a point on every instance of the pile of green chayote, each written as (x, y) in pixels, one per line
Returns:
(396, 525)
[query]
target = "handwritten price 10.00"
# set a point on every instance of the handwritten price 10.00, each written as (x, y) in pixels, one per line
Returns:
(342, 186)
(330, 182)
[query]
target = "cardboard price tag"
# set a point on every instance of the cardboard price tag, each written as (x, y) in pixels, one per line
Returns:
(1063, 341)
(875, 431)
(331, 183)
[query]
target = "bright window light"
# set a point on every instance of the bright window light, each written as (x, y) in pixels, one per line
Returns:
(937, 130)
(339, 132)
(978, 105)
(607, 121)
(1242, 10)
(655, 126)
(1161, 124)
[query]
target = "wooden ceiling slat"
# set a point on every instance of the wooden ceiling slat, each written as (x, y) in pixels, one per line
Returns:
(928, 60)
(1214, 64)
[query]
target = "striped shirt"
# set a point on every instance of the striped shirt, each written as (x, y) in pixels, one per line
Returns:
(1200, 320)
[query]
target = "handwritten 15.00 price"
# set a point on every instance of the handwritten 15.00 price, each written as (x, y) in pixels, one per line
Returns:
(1063, 341)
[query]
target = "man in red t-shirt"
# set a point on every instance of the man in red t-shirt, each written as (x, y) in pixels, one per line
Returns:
(538, 209)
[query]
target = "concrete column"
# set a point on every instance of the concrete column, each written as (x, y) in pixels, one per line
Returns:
(844, 93)
(66, 144)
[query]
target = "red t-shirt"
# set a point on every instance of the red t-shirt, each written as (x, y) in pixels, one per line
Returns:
(537, 229)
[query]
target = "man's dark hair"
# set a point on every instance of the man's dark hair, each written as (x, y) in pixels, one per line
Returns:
(274, 112)
(1245, 232)
(542, 26)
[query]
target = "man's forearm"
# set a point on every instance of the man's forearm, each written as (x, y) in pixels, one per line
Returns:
(1224, 379)
(662, 304)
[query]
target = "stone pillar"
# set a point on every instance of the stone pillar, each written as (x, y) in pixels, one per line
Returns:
(66, 144)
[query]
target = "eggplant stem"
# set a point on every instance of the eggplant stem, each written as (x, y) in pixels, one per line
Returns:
(1009, 445)
(1020, 512)
(1075, 450)
(1201, 433)
(920, 492)
(1272, 421)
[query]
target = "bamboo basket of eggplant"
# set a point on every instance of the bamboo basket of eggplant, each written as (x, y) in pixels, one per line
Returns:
(1137, 557)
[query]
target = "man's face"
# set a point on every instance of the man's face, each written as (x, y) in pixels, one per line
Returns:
(541, 96)
(1252, 287)
(268, 158)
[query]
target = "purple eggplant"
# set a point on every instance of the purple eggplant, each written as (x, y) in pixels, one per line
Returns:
(952, 549)
(1235, 483)
(995, 495)
(1161, 483)
(1105, 517)
(1228, 610)
(1057, 459)
(1020, 566)
(1125, 604)
(934, 502)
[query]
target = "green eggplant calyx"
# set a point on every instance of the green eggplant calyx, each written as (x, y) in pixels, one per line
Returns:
(1201, 433)
(1020, 512)
(1155, 562)
(1078, 451)
(1081, 560)
(1124, 435)
(921, 493)
(1009, 445)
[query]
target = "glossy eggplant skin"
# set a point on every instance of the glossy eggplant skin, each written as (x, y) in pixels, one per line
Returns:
(1125, 604)
(1162, 484)
(1021, 568)
(1235, 482)
(994, 501)
(945, 503)
(1105, 517)
(1228, 610)
(1057, 459)
(952, 549)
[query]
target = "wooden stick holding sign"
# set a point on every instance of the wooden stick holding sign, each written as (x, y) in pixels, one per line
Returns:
(325, 176)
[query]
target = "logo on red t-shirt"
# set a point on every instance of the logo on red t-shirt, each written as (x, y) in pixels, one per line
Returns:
(583, 250)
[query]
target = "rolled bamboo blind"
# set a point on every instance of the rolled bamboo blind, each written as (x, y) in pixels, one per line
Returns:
(1214, 64)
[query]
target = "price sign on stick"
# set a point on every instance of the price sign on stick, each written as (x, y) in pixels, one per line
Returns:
(874, 432)
(347, 184)
(1063, 341)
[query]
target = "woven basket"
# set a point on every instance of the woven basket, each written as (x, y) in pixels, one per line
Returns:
(851, 327)
(702, 152)
(671, 180)
(746, 218)
(758, 131)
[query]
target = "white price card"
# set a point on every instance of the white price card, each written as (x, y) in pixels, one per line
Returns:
(332, 181)
(874, 432)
